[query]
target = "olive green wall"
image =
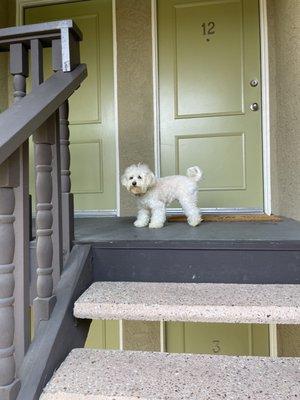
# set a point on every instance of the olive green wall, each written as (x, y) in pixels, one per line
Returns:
(135, 93)
(135, 88)
(3, 58)
(284, 30)
(7, 18)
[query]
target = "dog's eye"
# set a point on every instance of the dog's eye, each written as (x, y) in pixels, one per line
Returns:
(131, 178)
(139, 177)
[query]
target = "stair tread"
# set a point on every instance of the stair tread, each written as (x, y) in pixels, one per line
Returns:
(194, 302)
(106, 375)
(111, 230)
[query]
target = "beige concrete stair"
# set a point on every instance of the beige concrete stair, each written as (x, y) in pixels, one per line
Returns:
(231, 303)
(116, 375)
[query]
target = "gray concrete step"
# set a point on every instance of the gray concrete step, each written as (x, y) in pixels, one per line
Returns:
(195, 302)
(112, 375)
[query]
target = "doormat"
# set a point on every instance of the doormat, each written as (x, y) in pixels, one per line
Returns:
(230, 218)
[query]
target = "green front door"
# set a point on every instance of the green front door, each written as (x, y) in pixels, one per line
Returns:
(209, 59)
(93, 156)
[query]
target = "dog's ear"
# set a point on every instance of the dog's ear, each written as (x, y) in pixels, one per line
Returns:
(150, 179)
(124, 180)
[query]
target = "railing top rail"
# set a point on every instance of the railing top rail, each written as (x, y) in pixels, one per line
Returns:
(20, 120)
(45, 32)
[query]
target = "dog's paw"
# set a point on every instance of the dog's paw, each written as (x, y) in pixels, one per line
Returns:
(140, 224)
(195, 221)
(155, 225)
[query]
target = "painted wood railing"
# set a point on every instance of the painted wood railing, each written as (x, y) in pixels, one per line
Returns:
(42, 114)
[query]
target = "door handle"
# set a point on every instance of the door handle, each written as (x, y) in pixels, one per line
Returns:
(254, 107)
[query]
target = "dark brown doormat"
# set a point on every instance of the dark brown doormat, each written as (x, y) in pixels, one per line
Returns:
(230, 218)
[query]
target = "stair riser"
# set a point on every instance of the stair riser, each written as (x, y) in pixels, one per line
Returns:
(194, 265)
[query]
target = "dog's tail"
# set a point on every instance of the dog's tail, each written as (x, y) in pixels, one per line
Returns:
(194, 173)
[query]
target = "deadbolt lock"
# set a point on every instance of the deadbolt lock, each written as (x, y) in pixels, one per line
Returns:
(254, 107)
(254, 82)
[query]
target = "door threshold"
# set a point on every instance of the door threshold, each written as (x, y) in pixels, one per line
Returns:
(95, 213)
(230, 218)
(226, 215)
(223, 211)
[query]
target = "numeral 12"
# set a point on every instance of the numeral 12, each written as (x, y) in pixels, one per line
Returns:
(208, 28)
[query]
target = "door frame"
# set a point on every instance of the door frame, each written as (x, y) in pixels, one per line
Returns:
(21, 5)
(265, 85)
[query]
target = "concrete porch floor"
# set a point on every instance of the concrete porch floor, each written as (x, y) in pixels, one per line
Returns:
(95, 230)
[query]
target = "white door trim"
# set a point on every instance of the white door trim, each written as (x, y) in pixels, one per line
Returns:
(273, 340)
(265, 112)
(264, 40)
(20, 7)
(116, 108)
(155, 87)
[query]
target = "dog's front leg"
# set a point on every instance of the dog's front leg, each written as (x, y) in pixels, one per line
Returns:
(143, 218)
(158, 216)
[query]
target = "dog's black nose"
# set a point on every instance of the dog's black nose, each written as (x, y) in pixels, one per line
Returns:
(133, 183)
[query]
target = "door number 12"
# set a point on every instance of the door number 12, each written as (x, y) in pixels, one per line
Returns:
(208, 28)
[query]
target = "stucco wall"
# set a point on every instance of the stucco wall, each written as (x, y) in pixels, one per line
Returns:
(135, 88)
(136, 122)
(284, 49)
(284, 32)
(141, 335)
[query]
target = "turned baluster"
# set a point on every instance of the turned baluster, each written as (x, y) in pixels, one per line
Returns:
(37, 79)
(44, 138)
(9, 384)
(67, 196)
(19, 70)
(57, 203)
(64, 147)
(14, 246)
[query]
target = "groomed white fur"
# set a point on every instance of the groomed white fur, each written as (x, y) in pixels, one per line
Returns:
(154, 194)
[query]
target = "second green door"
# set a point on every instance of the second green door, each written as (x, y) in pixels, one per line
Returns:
(92, 123)
(210, 98)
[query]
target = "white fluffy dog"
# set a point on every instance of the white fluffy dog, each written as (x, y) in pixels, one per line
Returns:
(154, 194)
